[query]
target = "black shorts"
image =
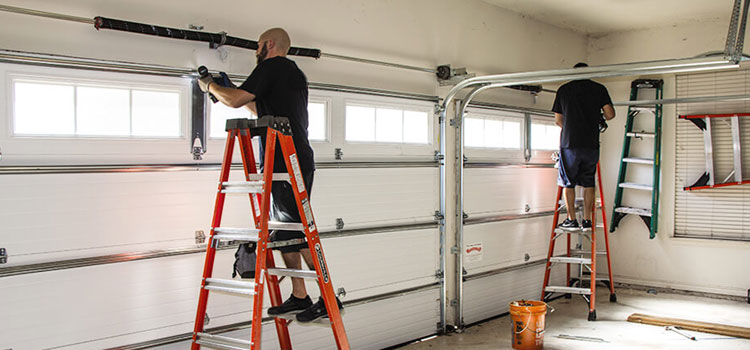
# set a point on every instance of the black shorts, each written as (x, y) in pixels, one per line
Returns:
(577, 167)
(284, 209)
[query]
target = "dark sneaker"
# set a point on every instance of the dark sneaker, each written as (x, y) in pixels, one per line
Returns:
(570, 225)
(586, 225)
(316, 311)
(293, 304)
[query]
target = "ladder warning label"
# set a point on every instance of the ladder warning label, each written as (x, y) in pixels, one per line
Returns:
(308, 214)
(322, 262)
(297, 173)
(473, 252)
(256, 205)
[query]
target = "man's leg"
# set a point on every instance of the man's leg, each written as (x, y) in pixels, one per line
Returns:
(570, 202)
(293, 260)
(588, 202)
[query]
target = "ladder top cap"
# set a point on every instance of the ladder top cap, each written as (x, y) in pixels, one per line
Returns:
(646, 83)
(280, 124)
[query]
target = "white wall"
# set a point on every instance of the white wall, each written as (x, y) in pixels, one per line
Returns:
(689, 264)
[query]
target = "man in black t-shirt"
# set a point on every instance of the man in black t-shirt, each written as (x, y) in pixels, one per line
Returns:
(578, 108)
(278, 87)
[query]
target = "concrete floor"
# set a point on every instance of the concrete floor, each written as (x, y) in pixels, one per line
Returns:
(569, 318)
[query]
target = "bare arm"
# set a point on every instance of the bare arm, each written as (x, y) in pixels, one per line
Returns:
(559, 119)
(609, 112)
(232, 97)
(251, 107)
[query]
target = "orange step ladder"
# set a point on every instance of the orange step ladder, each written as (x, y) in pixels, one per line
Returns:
(258, 186)
(584, 258)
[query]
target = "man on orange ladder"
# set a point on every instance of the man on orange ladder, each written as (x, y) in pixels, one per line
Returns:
(578, 111)
(278, 87)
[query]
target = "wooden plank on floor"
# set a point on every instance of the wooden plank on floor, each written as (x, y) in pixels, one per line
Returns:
(705, 327)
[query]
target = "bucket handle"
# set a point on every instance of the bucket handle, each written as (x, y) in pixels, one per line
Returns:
(528, 322)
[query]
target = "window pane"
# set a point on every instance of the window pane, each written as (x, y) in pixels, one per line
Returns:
(156, 113)
(360, 123)
(473, 132)
(52, 116)
(553, 137)
(416, 129)
(219, 113)
(317, 117)
(102, 111)
(545, 136)
(389, 125)
(492, 133)
(511, 134)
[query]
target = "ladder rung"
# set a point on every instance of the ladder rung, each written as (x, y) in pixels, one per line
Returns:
(641, 134)
(292, 316)
(276, 177)
(230, 286)
(582, 251)
(639, 160)
(569, 260)
(236, 234)
(224, 339)
(588, 278)
(636, 211)
(571, 290)
(284, 243)
(311, 274)
(636, 186)
(578, 231)
(286, 226)
(242, 187)
(217, 345)
(651, 109)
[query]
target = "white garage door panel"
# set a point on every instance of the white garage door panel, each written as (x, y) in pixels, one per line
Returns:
(509, 190)
(506, 243)
(375, 325)
(144, 296)
(64, 216)
(489, 296)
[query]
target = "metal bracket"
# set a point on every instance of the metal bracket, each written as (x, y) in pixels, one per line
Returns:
(465, 216)
(3, 256)
(526, 257)
(453, 302)
(341, 292)
(200, 237)
(438, 156)
(452, 122)
(527, 208)
(338, 154)
(206, 320)
(438, 215)
(339, 223)
(452, 76)
(455, 250)
(439, 275)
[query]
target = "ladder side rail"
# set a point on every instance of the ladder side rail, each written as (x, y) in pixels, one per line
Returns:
(248, 164)
(708, 144)
(226, 167)
(604, 224)
(550, 252)
(737, 145)
(313, 240)
(654, 227)
(592, 299)
(625, 154)
(262, 249)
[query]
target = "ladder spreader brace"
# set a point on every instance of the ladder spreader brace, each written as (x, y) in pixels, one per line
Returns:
(258, 186)
(707, 179)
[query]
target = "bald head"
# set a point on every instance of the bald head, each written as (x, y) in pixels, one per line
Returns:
(278, 41)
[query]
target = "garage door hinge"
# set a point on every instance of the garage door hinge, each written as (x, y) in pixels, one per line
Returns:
(439, 216)
(455, 250)
(439, 274)
(3, 256)
(454, 302)
(438, 156)
(200, 237)
(339, 223)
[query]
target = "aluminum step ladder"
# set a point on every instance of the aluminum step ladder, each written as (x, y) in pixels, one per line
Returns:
(258, 186)
(650, 215)
(707, 179)
(580, 257)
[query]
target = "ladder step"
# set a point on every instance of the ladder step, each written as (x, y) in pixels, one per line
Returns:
(583, 251)
(242, 187)
(639, 160)
(578, 231)
(588, 278)
(651, 109)
(224, 339)
(569, 260)
(276, 177)
(641, 134)
(571, 290)
(311, 274)
(636, 186)
(292, 316)
(636, 211)
(286, 226)
(236, 234)
(221, 346)
(230, 286)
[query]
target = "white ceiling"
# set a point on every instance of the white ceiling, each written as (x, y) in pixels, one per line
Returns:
(605, 16)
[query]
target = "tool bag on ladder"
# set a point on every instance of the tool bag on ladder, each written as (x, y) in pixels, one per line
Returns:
(258, 186)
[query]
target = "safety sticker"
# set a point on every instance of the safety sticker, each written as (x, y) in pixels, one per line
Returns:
(308, 214)
(256, 205)
(297, 173)
(322, 262)
(473, 252)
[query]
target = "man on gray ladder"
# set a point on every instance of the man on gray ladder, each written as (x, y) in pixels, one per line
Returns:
(578, 108)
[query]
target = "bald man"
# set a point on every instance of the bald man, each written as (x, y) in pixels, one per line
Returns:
(278, 87)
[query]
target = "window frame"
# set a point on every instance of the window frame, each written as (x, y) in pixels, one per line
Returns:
(540, 155)
(495, 153)
(388, 104)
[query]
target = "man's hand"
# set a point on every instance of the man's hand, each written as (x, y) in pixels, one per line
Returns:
(204, 82)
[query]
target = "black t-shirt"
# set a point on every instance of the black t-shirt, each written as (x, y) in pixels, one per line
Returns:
(580, 102)
(280, 90)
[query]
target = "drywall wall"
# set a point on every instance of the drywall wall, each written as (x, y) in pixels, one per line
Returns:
(680, 263)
